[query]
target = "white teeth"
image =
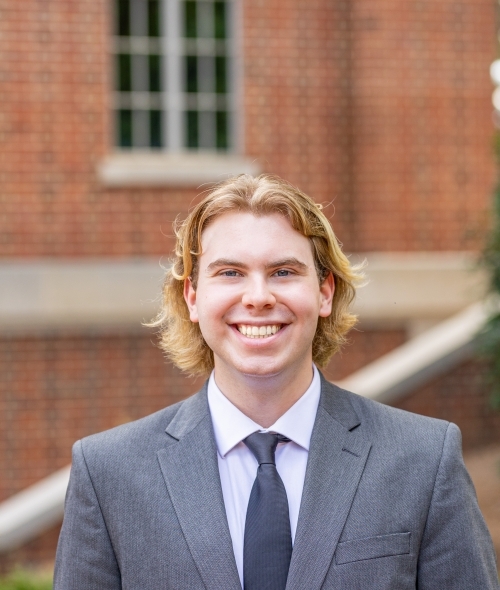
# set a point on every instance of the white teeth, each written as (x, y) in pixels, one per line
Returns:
(258, 331)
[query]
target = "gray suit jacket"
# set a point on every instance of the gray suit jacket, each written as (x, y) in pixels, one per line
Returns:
(387, 504)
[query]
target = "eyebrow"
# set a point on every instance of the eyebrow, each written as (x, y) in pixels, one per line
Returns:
(220, 262)
(288, 262)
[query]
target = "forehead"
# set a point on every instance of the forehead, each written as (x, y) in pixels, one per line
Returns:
(245, 234)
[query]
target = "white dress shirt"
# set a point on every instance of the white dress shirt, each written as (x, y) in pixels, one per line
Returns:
(238, 466)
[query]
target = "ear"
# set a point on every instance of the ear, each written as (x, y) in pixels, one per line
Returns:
(326, 291)
(190, 299)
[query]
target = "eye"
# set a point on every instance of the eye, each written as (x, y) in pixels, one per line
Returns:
(282, 272)
(230, 273)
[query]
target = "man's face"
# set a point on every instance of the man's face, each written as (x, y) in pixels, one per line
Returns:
(258, 298)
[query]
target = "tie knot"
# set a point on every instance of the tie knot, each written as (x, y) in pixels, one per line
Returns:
(263, 445)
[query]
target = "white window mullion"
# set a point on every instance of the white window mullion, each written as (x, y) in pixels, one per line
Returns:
(173, 121)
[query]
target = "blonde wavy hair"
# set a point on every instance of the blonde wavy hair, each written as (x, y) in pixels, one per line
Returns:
(181, 339)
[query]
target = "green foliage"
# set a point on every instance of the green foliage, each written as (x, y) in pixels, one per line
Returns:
(492, 251)
(490, 337)
(490, 350)
(21, 580)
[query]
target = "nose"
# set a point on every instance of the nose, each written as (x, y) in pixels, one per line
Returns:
(257, 293)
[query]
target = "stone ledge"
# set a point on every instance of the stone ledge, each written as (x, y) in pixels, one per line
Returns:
(425, 287)
(33, 511)
(83, 295)
(425, 357)
(146, 168)
(113, 294)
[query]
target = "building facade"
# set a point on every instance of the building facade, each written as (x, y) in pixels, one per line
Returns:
(116, 115)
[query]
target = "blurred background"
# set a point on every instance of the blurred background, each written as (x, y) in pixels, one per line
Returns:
(116, 114)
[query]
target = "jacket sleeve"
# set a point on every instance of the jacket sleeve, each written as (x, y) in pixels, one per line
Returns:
(456, 552)
(85, 558)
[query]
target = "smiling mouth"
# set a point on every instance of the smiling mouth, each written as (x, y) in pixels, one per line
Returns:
(259, 331)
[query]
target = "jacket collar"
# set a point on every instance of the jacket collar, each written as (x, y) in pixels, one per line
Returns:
(334, 400)
(337, 458)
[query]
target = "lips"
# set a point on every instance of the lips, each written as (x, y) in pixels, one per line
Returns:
(252, 331)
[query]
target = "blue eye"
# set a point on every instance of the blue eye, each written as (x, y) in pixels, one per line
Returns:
(282, 273)
(230, 273)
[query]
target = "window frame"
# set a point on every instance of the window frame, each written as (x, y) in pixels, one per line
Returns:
(172, 101)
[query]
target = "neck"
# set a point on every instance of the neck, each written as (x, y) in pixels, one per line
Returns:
(264, 398)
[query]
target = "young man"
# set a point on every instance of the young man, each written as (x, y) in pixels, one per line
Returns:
(269, 477)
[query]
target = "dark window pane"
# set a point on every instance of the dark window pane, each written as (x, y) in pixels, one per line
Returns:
(154, 18)
(155, 129)
(222, 131)
(191, 129)
(220, 20)
(220, 74)
(154, 73)
(124, 125)
(123, 17)
(190, 19)
(191, 73)
(124, 73)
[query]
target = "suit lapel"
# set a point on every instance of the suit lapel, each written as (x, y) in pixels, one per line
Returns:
(190, 469)
(337, 457)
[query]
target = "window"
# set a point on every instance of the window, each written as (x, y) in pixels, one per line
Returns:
(173, 83)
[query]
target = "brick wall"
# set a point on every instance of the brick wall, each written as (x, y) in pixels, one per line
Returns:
(363, 346)
(380, 108)
(422, 98)
(56, 390)
(383, 108)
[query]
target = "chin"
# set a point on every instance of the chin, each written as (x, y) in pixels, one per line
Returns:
(259, 368)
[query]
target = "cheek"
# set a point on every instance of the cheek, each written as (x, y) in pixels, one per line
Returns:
(304, 301)
(211, 310)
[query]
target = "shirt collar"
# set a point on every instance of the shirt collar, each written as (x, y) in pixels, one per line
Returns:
(231, 426)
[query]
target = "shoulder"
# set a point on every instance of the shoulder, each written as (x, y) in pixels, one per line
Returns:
(382, 414)
(392, 427)
(133, 439)
(404, 447)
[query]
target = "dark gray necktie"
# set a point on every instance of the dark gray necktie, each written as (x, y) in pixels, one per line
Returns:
(267, 548)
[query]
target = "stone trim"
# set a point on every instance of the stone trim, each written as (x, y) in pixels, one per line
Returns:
(146, 168)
